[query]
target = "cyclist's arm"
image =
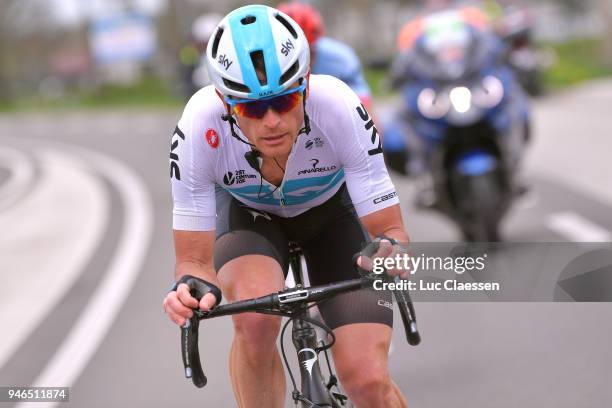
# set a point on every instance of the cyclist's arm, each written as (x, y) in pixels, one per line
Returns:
(191, 168)
(387, 222)
(193, 251)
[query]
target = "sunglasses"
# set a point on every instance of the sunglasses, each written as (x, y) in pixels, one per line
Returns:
(281, 103)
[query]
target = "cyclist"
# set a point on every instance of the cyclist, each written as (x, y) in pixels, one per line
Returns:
(329, 56)
(267, 155)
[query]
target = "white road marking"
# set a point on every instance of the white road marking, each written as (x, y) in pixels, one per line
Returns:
(577, 228)
(96, 319)
(21, 174)
(46, 241)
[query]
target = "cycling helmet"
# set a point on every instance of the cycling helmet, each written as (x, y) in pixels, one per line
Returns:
(257, 33)
(307, 17)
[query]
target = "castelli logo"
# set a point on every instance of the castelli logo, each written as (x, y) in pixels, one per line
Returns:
(212, 138)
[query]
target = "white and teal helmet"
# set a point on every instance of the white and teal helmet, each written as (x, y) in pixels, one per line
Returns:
(250, 33)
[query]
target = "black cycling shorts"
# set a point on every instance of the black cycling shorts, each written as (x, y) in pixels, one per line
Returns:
(329, 236)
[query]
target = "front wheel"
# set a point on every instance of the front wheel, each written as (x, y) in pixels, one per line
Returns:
(480, 206)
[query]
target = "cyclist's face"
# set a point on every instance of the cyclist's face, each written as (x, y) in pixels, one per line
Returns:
(274, 133)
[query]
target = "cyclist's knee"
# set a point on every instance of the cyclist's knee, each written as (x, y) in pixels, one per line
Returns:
(366, 377)
(250, 276)
(369, 387)
(256, 331)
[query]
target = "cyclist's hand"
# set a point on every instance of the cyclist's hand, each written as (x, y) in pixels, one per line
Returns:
(385, 251)
(179, 304)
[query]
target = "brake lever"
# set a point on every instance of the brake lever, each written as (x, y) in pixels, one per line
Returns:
(406, 308)
(190, 352)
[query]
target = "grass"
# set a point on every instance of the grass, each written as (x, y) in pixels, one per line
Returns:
(376, 78)
(576, 61)
(149, 92)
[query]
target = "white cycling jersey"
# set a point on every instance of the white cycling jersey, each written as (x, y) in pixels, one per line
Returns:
(342, 146)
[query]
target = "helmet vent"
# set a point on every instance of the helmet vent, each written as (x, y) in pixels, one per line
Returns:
(235, 86)
(248, 20)
(259, 63)
(216, 41)
(290, 72)
(287, 25)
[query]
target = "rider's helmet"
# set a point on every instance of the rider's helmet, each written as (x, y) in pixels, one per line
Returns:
(307, 17)
(259, 35)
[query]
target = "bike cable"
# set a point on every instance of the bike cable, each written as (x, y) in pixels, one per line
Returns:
(297, 396)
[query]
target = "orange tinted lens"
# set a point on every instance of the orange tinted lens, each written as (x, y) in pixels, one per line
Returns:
(280, 104)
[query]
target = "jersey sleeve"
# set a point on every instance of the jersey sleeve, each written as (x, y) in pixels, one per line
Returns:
(192, 165)
(358, 145)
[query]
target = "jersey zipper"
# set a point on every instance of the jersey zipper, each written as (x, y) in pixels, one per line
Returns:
(281, 193)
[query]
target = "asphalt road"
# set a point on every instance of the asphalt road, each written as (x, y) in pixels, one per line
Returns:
(86, 257)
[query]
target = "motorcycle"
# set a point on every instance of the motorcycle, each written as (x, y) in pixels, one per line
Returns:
(463, 126)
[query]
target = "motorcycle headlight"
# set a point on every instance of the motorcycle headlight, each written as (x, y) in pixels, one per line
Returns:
(431, 105)
(490, 93)
(461, 99)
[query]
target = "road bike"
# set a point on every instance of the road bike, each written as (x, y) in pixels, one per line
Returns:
(296, 304)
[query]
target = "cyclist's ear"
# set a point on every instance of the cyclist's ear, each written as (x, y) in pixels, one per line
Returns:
(228, 107)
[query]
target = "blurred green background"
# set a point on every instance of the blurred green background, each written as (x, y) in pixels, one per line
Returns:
(47, 59)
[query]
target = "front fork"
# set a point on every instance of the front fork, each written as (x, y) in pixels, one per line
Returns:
(313, 385)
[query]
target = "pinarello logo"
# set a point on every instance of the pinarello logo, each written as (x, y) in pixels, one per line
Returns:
(212, 138)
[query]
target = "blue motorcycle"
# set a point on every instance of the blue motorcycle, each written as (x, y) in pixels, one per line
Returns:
(462, 127)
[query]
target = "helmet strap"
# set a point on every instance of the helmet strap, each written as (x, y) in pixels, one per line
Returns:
(306, 128)
(227, 117)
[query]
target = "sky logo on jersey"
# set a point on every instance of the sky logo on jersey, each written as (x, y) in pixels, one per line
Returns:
(316, 169)
(175, 172)
(212, 138)
(369, 124)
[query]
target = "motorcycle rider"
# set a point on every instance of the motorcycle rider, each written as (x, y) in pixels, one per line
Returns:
(404, 150)
(445, 39)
